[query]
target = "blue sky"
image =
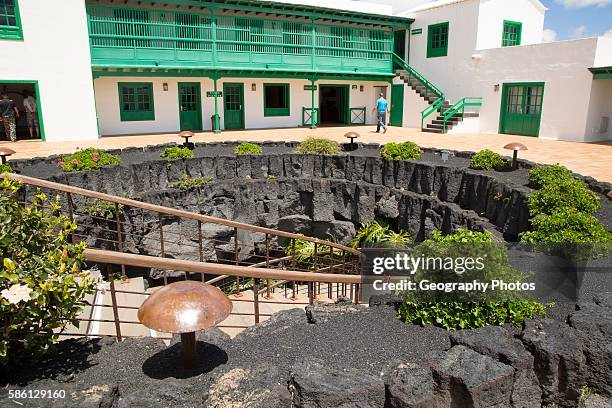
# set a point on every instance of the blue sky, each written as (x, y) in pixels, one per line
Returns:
(567, 19)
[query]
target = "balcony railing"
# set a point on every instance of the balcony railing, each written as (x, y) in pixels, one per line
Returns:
(125, 37)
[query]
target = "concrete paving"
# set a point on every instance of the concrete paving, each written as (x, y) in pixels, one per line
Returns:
(589, 159)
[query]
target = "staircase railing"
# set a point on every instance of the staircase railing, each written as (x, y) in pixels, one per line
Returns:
(460, 106)
(437, 104)
(429, 86)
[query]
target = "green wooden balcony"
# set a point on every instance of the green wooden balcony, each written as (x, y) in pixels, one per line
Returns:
(166, 39)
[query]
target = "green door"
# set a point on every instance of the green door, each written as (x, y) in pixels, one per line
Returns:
(233, 105)
(521, 109)
(190, 109)
(397, 105)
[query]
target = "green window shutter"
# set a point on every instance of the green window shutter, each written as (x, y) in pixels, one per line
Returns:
(276, 100)
(136, 101)
(10, 20)
(512, 33)
(437, 40)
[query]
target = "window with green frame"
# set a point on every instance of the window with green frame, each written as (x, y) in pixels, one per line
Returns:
(437, 40)
(10, 22)
(276, 99)
(136, 101)
(512, 33)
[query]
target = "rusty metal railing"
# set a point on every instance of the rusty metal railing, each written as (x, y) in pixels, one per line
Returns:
(122, 233)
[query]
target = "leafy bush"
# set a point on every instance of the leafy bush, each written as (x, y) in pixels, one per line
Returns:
(401, 151)
(186, 183)
(486, 160)
(5, 168)
(541, 176)
(567, 192)
(469, 310)
(247, 148)
(470, 315)
(377, 232)
(41, 283)
(87, 159)
(314, 145)
(567, 225)
(176, 152)
(98, 208)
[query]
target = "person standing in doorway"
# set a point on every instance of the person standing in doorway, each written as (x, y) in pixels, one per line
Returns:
(31, 109)
(9, 112)
(381, 109)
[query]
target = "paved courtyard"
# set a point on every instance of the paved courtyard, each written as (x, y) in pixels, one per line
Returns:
(591, 159)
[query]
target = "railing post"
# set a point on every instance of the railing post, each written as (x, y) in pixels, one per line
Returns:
(268, 295)
(256, 299)
(236, 261)
(201, 249)
(293, 265)
(111, 280)
(119, 236)
(161, 244)
(71, 215)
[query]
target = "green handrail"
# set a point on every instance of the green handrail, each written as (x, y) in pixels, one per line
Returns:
(460, 105)
(413, 73)
(437, 104)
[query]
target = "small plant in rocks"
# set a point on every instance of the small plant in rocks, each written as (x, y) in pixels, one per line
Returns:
(401, 151)
(100, 209)
(176, 152)
(5, 168)
(318, 146)
(486, 160)
(42, 286)
(87, 159)
(541, 176)
(247, 148)
(186, 183)
(377, 233)
(568, 192)
(567, 225)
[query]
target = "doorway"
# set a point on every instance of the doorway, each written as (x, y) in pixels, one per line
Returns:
(233, 105)
(399, 46)
(334, 104)
(190, 109)
(397, 105)
(18, 91)
(521, 108)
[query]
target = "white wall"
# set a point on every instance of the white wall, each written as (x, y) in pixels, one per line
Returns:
(350, 5)
(603, 57)
(562, 66)
(166, 103)
(55, 52)
(600, 105)
(491, 21)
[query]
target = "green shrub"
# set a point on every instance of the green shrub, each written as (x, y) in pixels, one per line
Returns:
(247, 148)
(176, 152)
(314, 145)
(5, 168)
(486, 160)
(186, 183)
(567, 225)
(567, 192)
(541, 176)
(462, 236)
(379, 233)
(470, 315)
(41, 283)
(87, 159)
(101, 209)
(401, 151)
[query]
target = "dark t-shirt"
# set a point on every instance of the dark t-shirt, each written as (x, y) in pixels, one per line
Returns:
(7, 107)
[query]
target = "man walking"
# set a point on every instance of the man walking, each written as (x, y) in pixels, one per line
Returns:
(9, 111)
(31, 109)
(381, 109)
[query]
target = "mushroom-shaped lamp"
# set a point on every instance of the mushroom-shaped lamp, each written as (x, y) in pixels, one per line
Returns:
(185, 307)
(4, 153)
(515, 146)
(186, 134)
(352, 136)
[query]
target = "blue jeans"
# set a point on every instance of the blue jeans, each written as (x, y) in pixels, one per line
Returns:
(382, 121)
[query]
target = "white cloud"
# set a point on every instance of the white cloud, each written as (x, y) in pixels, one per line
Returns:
(549, 35)
(608, 33)
(583, 3)
(579, 32)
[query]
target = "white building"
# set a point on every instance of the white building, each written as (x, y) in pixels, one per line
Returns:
(134, 67)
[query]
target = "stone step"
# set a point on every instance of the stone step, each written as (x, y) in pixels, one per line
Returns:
(430, 130)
